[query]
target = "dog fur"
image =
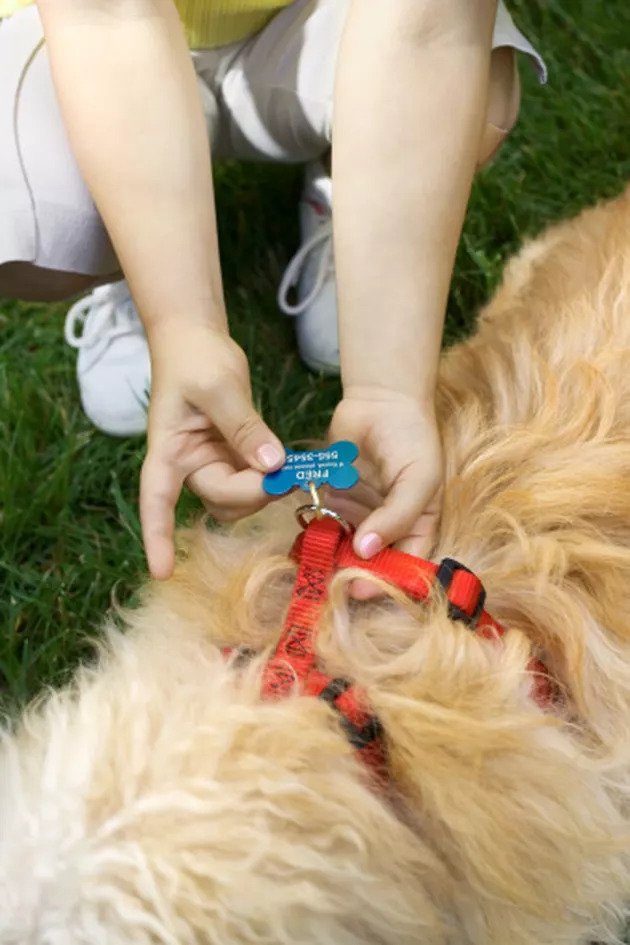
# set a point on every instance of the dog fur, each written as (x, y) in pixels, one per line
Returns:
(159, 800)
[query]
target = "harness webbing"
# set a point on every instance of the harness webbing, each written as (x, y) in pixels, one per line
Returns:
(324, 548)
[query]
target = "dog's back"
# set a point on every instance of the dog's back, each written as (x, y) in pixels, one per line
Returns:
(536, 421)
(161, 801)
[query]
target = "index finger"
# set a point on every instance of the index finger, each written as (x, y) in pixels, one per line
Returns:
(160, 486)
(228, 493)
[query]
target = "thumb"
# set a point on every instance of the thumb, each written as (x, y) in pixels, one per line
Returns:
(244, 430)
(408, 516)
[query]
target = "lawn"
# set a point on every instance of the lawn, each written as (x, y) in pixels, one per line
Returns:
(69, 544)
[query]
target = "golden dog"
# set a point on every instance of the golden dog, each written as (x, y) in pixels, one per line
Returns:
(160, 799)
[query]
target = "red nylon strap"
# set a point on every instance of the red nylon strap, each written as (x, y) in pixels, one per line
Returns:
(295, 654)
(415, 577)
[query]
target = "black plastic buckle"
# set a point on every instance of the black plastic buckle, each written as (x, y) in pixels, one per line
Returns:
(359, 738)
(445, 574)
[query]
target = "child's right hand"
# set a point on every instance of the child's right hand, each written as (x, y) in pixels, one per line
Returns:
(203, 431)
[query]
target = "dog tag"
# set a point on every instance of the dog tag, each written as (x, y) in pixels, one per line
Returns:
(328, 467)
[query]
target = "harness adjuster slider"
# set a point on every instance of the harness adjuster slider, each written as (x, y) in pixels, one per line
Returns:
(464, 611)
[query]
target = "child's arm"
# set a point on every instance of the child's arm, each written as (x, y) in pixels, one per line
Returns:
(133, 112)
(410, 102)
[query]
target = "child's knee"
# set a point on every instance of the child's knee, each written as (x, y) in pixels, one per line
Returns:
(504, 99)
(47, 216)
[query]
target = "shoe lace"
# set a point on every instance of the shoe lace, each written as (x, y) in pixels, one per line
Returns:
(322, 238)
(106, 313)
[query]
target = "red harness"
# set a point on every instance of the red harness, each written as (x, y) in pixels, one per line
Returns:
(321, 550)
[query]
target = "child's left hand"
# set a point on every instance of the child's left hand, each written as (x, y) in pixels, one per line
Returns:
(398, 498)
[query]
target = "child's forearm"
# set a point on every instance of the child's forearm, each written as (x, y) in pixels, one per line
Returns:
(132, 109)
(410, 102)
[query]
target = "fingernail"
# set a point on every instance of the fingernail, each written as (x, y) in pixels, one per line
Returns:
(370, 545)
(269, 456)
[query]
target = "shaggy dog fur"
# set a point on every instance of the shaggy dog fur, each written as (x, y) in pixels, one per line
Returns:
(159, 800)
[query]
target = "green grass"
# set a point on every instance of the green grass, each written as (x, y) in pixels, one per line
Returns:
(70, 542)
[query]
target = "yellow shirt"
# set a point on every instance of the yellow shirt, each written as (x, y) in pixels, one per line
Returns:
(211, 23)
(208, 23)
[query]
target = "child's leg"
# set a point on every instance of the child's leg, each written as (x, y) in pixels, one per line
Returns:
(53, 244)
(52, 241)
(504, 94)
(276, 92)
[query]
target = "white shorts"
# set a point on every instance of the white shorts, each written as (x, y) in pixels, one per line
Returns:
(266, 98)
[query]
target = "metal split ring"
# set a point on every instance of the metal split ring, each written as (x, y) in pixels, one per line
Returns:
(319, 511)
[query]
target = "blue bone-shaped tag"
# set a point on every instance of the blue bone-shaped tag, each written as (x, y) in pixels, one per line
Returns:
(329, 467)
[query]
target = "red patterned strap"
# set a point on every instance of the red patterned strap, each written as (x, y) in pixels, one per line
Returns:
(294, 657)
(294, 661)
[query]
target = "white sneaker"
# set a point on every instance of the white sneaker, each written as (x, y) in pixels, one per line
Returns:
(312, 273)
(113, 367)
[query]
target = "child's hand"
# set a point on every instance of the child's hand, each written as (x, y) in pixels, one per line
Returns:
(397, 500)
(203, 431)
